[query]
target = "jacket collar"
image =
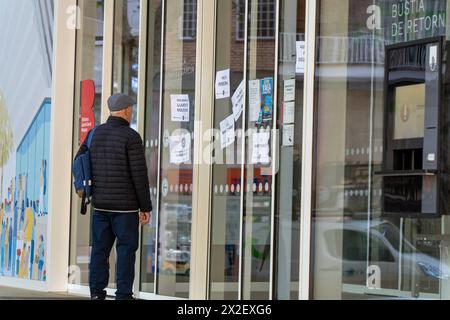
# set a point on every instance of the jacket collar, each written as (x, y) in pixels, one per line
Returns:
(117, 121)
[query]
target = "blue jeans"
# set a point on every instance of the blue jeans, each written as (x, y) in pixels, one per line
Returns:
(106, 228)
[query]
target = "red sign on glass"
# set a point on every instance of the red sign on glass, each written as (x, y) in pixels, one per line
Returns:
(87, 108)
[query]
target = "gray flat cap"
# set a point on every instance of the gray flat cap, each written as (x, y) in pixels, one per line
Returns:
(120, 101)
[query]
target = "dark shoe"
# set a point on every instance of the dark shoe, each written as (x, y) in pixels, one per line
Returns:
(98, 297)
(126, 298)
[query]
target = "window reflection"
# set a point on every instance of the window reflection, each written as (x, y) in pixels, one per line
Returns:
(225, 247)
(290, 124)
(126, 49)
(152, 145)
(174, 241)
(258, 168)
(358, 251)
(89, 67)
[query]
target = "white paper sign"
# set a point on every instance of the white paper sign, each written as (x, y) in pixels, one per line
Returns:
(254, 98)
(165, 188)
(227, 134)
(288, 135)
(289, 112)
(223, 84)
(166, 138)
(238, 101)
(180, 148)
(180, 107)
(289, 90)
(300, 63)
(433, 58)
(260, 150)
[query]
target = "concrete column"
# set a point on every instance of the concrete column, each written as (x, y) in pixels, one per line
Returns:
(60, 177)
(202, 177)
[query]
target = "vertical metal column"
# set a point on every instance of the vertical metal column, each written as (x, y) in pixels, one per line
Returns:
(58, 226)
(142, 65)
(307, 158)
(244, 158)
(202, 168)
(108, 52)
(160, 144)
(275, 150)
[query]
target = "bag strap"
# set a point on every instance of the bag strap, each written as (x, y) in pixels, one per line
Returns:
(91, 136)
(87, 200)
(83, 210)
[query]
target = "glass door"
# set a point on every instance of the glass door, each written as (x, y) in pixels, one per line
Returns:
(152, 140)
(291, 74)
(257, 120)
(87, 105)
(227, 174)
(170, 110)
(125, 70)
(259, 153)
(380, 211)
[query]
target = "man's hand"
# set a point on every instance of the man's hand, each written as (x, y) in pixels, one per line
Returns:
(145, 217)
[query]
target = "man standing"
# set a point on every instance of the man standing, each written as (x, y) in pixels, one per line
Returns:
(121, 198)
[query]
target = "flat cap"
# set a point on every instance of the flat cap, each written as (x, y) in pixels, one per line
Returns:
(120, 101)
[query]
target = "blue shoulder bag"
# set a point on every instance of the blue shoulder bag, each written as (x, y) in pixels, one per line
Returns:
(81, 170)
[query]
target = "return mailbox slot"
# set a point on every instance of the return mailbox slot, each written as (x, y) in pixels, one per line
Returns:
(410, 168)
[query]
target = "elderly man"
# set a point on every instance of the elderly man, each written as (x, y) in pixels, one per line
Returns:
(121, 198)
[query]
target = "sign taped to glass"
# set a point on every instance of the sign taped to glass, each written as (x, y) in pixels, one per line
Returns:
(180, 148)
(180, 106)
(87, 108)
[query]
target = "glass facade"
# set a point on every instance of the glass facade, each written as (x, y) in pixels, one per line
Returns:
(87, 114)
(243, 208)
(126, 49)
(290, 124)
(176, 152)
(373, 121)
(227, 174)
(380, 206)
(265, 95)
(152, 138)
(258, 168)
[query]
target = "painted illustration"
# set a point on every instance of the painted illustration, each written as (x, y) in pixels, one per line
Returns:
(25, 111)
(24, 209)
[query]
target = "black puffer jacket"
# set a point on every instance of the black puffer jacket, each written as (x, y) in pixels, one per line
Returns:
(119, 170)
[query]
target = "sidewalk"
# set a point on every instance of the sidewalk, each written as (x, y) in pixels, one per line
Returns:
(7, 293)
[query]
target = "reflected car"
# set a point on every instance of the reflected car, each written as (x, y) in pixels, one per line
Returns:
(343, 247)
(176, 262)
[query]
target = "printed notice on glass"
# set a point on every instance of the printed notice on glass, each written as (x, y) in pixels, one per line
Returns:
(180, 107)
(223, 84)
(238, 101)
(433, 58)
(165, 188)
(180, 148)
(260, 147)
(289, 112)
(289, 90)
(227, 134)
(266, 112)
(300, 63)
(288, 135)
(254, 98)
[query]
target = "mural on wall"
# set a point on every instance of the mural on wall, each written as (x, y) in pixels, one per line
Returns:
(24, 209)
(25, 110)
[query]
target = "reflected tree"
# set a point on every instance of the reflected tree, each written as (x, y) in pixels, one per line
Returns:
(6, 140)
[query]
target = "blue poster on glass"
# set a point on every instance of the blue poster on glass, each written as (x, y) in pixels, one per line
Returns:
(265, 114)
